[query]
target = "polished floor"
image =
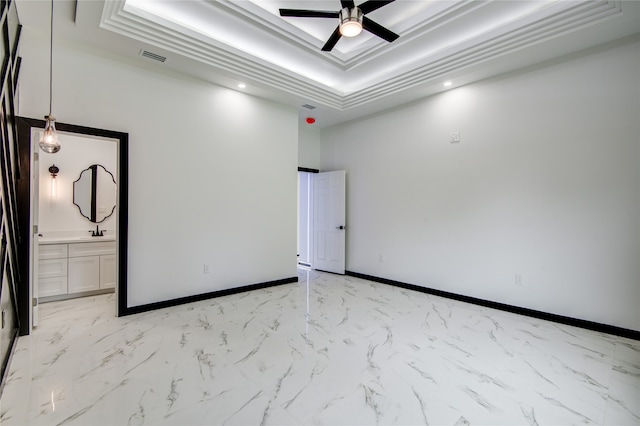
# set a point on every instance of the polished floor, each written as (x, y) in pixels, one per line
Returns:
(328, 350)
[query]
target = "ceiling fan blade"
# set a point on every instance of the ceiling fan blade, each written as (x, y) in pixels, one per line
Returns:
(371, 5)
(330, 44)
(301, 13)
(377, 29)
(347, 3)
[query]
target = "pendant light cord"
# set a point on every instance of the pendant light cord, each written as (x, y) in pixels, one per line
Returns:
(51, 62)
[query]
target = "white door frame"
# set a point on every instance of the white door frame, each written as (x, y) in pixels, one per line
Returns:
(34, 192)
(307, 212)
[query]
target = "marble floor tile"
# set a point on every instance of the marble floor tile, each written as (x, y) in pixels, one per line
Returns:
(328, 350)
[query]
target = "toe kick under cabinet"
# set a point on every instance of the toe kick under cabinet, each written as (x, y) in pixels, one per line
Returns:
(74, 269)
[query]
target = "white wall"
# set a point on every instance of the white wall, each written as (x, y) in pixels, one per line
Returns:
(60, 214)
(545, 183)
(309, 147)
(212, 172)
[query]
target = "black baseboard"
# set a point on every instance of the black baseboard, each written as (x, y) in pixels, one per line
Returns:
(589, 325)
(205, 296)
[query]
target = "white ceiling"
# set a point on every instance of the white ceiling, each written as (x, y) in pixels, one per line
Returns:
(227, 42)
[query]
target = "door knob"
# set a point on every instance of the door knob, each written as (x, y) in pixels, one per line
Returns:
(341, 227)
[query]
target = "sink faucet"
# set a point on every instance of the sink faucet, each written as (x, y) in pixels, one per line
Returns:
(97, 232)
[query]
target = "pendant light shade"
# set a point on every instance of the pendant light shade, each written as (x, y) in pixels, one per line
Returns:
(49, 141)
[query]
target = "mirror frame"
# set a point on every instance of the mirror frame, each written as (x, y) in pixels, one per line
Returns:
(93, 198)
(24, 126)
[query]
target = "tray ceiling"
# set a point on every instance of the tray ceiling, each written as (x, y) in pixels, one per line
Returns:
(227, 42)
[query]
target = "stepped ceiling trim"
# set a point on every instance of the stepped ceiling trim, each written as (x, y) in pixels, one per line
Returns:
(193, 45)
(288, 59)
(465, 55)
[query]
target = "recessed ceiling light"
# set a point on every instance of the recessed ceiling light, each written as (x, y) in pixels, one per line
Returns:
(242, 85)
(447, 83)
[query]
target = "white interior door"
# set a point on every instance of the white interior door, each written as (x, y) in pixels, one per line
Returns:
(329, 221)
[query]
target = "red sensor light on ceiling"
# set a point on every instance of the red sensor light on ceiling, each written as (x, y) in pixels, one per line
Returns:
(311, 120)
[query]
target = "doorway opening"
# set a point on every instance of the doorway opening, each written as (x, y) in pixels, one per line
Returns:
(77, 216)
(321, 220)
(73, 202)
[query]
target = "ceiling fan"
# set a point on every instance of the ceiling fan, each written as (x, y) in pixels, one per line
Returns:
(352, 20)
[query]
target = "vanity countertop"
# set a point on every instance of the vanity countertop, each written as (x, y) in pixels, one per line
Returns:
(73, 238)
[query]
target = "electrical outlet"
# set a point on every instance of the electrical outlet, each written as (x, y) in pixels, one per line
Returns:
(206, 268)
(455, 137)
(519, 280)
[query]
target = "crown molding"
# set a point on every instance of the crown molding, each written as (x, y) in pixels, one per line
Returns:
(136, 24)
(500, 42)
(430, 47)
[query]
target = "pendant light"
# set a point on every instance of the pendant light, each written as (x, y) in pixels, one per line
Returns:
(49, 141)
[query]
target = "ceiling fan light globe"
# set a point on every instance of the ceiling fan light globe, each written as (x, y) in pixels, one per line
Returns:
(350, 28)
(350, 22)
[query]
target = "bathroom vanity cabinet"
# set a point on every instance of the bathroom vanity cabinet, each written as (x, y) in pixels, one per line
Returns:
(75, 268)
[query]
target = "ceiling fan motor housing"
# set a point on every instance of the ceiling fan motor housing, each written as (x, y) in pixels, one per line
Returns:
(350, 21)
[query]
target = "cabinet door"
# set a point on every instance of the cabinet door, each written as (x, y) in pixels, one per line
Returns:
(52, 268)
(84, 273)
(52, 286)
(52, 251)
(108, 271)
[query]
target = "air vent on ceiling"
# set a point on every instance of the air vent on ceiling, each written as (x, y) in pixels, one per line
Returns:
(153, 56)
(307, 106)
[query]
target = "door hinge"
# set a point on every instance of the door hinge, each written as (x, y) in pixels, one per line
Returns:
(35, 302)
